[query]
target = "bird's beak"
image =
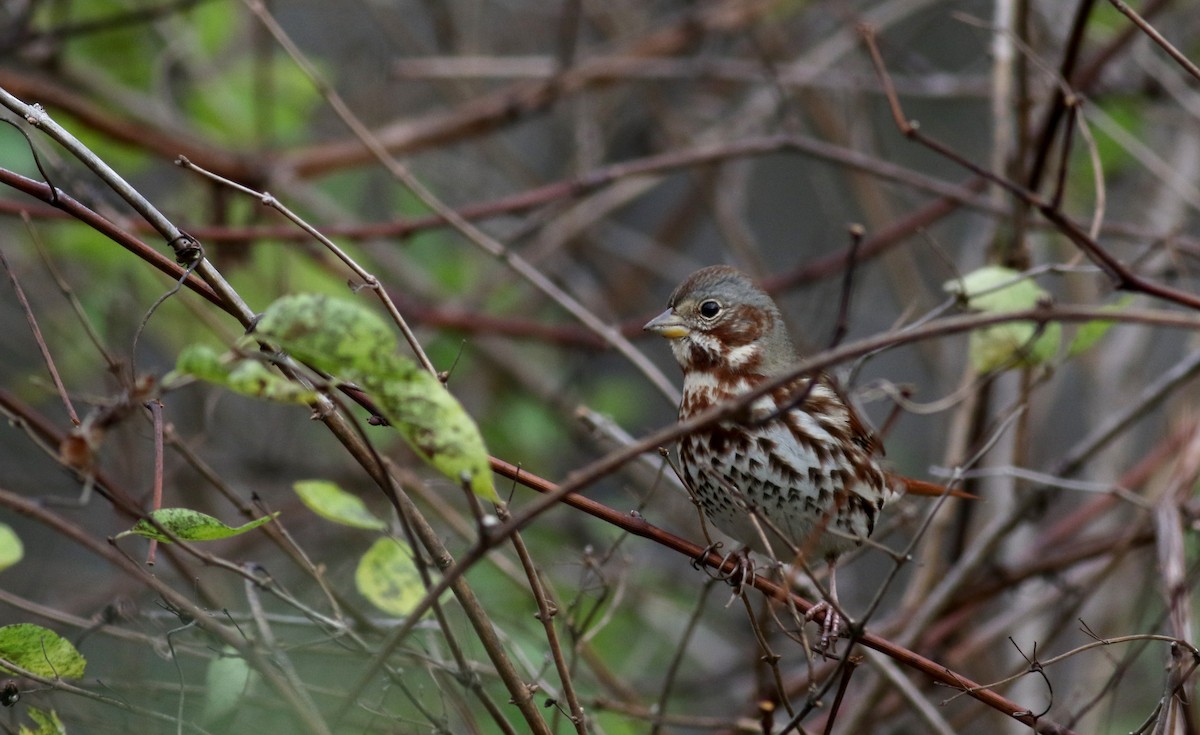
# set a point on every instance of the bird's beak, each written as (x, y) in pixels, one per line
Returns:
(667, 324)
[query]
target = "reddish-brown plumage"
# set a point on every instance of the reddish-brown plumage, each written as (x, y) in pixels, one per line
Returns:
(804, 481)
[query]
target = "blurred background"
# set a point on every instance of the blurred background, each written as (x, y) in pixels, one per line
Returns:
(611, 148)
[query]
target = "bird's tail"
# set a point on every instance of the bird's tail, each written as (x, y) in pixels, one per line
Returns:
(920, 487)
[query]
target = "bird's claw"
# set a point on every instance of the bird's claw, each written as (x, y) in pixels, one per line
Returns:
(740, 575)
(698, 560)
(832, 626)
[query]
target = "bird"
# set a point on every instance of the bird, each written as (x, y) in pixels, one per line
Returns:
(797, 474)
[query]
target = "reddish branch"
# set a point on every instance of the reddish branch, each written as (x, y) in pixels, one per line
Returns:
(486, 113)
(639, 527)
(131, 131)
(63, 201)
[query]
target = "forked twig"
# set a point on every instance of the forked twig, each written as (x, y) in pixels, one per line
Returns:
(1119, 275)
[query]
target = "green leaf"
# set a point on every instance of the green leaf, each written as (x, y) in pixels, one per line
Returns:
(330, 334)
(328, 500)
(41, 651)
(11, 549)
(47, 723)
(351, 342)
(387, 577)
(226, 681)
(201, 362)
(252, 378)
(246, 375)
(189, 525)
(998, 290)
(433, 422)
(1092, 332)
(1007, 346)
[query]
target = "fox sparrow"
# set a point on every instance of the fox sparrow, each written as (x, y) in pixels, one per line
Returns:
(797, 475)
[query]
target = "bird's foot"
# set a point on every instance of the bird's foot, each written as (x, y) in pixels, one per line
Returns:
(736, 568)
(698, 560)
(741, 574)
(833, 625)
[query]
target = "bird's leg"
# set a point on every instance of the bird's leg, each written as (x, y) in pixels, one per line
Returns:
(833, 624)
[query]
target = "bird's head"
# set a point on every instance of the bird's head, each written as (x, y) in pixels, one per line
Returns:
(719, 320)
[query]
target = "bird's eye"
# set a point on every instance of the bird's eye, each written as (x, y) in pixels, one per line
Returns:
(709, 309)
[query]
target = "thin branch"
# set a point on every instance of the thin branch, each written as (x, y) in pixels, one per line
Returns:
(1184, 62)
(472, 233)
(41, 341)
(1120, 276)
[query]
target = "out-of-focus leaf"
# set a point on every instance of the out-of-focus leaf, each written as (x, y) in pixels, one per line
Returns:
(247, 376)
(996, 289)
(1007, 346)
(226, 681)
(201, 362)
(1092, 332)
(999, 290)
(387, 577)
(41, 651)
(328, 500)
(47, 723)
(189, 525)
(252, 378)
(11, 549)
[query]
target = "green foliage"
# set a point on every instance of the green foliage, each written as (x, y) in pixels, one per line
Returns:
(1000, 290)
(524, 428)
(47, 723)
(214, 28)
(226, 103)
(329, 501)
(1127, 113)
(246, 376)
(41, 651)
(1019, 344)
(189, 525)
(351, 343)
(387, 577)
(442, 259)
(95, 51)
(227, 99)
(1092, 332)
(11, 549)
(332, 335)
(226, 682)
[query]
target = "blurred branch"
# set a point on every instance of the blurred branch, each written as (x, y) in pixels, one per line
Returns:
(485, 113)
(63, 201)
(1121, 277)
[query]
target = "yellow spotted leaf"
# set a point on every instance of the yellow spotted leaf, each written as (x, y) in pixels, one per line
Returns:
(41, 651)
(352, 343)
